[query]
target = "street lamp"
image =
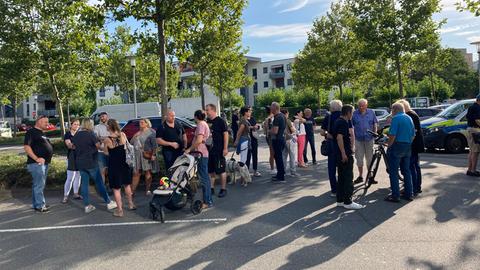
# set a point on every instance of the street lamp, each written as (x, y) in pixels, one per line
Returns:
(477, 44)
(133, 64)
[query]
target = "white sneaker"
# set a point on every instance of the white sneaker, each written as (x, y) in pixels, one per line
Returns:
(340, 204)
(89, 209)
(353, 206)
(112, 205)
(273, 172)
(294, 174)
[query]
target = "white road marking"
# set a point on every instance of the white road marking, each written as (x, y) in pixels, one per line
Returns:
(111, 225)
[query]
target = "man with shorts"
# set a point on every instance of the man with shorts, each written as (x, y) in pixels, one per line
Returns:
(102, 133)
(473, 123)
(218, 149)
(364, 120)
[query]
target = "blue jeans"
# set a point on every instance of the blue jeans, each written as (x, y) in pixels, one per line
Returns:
(202, 170)
(39, 177)
(94, 174)
(310, 139)
(332, 166)
(169, 157)
(102, 160)
(399, 157)
(416, 173)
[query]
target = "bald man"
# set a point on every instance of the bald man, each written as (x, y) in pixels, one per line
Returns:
(173, 139)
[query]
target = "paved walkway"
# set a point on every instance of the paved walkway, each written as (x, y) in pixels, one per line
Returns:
(263, 226)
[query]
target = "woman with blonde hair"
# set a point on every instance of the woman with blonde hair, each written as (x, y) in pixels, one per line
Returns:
(119, 173)
(145, 145)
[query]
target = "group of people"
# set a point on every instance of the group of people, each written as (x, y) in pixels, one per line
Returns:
(102, 152)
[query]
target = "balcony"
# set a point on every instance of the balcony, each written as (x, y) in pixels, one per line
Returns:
(277, 75)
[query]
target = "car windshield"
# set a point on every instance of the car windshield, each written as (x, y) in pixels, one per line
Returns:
(454, 110)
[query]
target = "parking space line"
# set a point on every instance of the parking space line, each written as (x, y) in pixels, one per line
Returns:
(206, 220)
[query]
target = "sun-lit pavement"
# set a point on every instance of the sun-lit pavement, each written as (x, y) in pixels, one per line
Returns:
(264, 226)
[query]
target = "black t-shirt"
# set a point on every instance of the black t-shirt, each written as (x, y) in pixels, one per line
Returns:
(40, 145)
(235, 120)
(473, 114)
(85, 150)
(170, 134)
(279, 121)
(342, 127)
(309, 123)
(217, 127)
(418, 146)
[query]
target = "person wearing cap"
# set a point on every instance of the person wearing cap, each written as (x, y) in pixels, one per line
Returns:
(473, 123)
(39, 152)
(101, 131)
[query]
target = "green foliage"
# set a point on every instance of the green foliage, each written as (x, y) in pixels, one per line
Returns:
(291, 98)
(470, 5)
(13, 172)
(350, 95)
(308, 98)
(111, 101)
(442, 88)
(235, 100)
(459, 75)
(272, 95)
(394, 28)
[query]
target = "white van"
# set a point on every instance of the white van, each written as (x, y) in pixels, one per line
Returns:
(125, 112)
(5, 130)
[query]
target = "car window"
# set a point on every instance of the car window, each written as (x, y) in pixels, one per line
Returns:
(453, 111)
(157, 122)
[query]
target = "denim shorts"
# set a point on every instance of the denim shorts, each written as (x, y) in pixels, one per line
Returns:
(102, 160)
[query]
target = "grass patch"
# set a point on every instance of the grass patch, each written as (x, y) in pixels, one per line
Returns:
(13, 171)
(18, 140)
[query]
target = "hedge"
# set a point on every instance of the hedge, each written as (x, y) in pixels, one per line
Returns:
(13, 171)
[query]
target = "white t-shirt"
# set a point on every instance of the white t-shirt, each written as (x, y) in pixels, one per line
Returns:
(101, 131)
(300, 127)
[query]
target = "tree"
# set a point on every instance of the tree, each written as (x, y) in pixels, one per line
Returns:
(217, 35)
(272, 95)
(394, 28)
(470, 5)
(331, 56)
(173, 22)
(459, 75)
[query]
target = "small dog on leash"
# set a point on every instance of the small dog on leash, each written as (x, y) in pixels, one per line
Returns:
(235, 169)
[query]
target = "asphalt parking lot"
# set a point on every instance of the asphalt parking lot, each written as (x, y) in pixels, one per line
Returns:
(263, 226)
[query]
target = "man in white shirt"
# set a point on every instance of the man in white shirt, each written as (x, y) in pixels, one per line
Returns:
(101, 132)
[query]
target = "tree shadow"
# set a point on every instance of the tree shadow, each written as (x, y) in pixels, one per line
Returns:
(309, 217)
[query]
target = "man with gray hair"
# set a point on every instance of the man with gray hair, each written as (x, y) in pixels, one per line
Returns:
(278, 141)
(364, 119)
(400, 137)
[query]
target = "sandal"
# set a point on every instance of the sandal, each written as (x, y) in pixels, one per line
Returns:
(77, 197)
(65, 200)
(117, 213)
(132, 207)
(390, 198)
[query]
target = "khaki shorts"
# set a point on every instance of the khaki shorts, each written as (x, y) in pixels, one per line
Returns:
(474, 147)
(363, 150)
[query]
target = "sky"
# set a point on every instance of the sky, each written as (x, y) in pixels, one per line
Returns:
(276, 29)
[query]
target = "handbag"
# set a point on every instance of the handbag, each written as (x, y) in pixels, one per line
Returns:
(325, 147)
(147, 155)
(129, 154)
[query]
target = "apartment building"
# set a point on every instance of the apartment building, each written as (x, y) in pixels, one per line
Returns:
(39, 104)
(267, 75)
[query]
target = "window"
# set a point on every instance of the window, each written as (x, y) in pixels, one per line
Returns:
(34, 107)
(28, 109)
(289, 67)
(254, 73)
(265, 70)
(289, 82)
(255, 88)
(265, 84)
(101, 93)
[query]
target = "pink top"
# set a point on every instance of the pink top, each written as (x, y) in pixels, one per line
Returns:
(202, 129)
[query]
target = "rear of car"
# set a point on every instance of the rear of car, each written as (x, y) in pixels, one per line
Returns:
(133, 126)
(447, 130)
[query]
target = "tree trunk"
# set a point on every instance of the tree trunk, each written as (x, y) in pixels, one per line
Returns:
(220, 91)
(14, 115)
(319, 98)
(59, 103)
(433, 87)
(202, 90)
(399, 77)
(340, 86)
(163, 54)
(68, 112)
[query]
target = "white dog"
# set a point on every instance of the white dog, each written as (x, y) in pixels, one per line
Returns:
(235, 169)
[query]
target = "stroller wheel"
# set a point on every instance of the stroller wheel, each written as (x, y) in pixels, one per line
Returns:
(162, 215)
(153, 213)
(196, 207)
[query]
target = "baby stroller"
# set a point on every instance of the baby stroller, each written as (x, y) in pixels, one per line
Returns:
(182, 187)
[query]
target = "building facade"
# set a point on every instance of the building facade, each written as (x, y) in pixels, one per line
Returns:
(39, 104)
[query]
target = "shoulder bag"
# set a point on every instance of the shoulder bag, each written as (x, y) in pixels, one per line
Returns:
(325, 148)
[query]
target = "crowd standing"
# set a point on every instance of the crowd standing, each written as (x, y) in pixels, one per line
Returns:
(103, 154)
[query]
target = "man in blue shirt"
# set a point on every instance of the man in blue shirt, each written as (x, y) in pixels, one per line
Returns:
(400, 137)
(364, 119)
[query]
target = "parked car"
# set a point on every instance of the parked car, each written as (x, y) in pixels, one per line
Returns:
(132, 127)
(441, 106)
(448, 129)
(381, 113)
(5, 129)
(23, 127)
(426, 113)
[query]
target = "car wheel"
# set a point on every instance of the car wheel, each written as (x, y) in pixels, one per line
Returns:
(455, 144)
